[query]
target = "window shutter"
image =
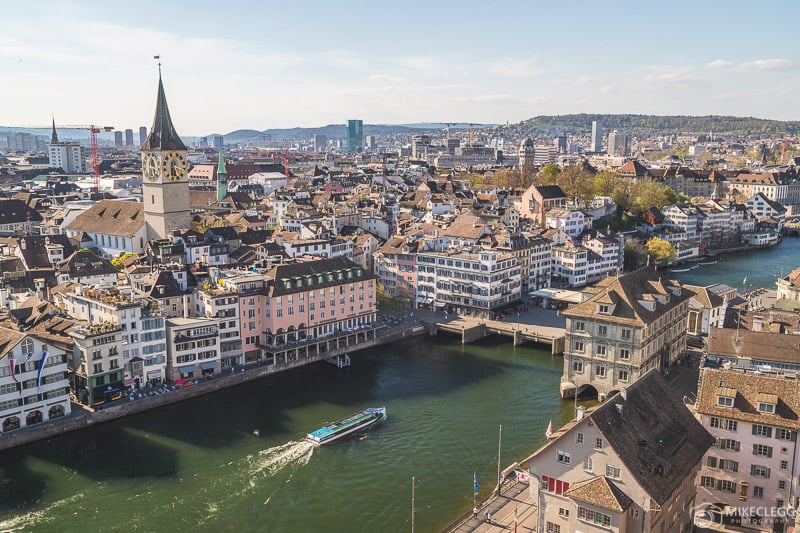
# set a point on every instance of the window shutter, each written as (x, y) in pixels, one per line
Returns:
(716, 442)
(769, 451)
(737, 443)
(755, 429)
(734, 466)
(766, 474)
(712, 462)
(752, 470)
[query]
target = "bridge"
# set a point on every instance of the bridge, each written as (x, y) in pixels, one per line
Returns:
(472, 329)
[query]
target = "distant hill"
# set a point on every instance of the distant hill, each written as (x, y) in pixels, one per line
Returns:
(333, 131)
(667, 123)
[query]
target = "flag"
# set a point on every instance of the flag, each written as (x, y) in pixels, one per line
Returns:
(475, 481)
(11, 364)
(744, 282)
(524, 477)
(549, 431)
(41, 368)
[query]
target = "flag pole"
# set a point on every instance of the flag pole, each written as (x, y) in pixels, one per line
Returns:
(412, 504)
(499, 450)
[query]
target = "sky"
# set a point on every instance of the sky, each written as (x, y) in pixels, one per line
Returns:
(229, 65)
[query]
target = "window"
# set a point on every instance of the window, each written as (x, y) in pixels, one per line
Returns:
(724, 401)
(759, 471)
(598, 444)
(587, 515)
(600, 371)
(577, 367)
(580, 325)
(601, 350)
(708, 482)
(626, 333)
(726, 486)
(563, 512)
(784, 465)
(785, 434)
(758, 492)
(602, 309)
(587, 464)
(782, 485)
(762, 450)
(623, 375)
(563, 457)
(764, 407)
(602, 330)
(728, 465)
(612, 471)
(779, 504)
(729, 444)
(723, 423)
(579, 439)
(553, 528)
(578, 346)
(98, 368)
(624, 354)
(762, 431)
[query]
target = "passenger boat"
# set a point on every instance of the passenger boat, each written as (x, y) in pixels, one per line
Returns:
(345, 426)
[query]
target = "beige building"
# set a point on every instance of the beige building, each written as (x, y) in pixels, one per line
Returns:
(627, 466)
(789, 286)
(630, 324)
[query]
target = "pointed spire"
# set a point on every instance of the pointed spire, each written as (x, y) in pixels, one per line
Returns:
(162, 135)
(222, 178)
(221, 165)
(54, 136)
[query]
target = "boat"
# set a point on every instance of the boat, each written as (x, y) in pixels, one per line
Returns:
(709, 263)
(340, 361)
(335, 430)
(680, 269)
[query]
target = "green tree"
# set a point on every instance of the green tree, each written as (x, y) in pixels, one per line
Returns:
(662, 252)
(634, 254)
(549, 174)
(119, 262)
(605, 181)
(382, 297)
(623, 195)
(576, 182)
(650, 193)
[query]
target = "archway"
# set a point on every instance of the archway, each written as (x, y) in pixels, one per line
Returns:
(34, 417)
(301, 331)
(12, 422)
(587, 392)
(290, 334)
(55, 412)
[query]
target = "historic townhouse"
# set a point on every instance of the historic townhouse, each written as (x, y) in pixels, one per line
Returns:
(684, 217)
(627, 466)
(34, 384)
(541, 263)
(221, 301)
(193, 349)
(753, 462)
(98, 374)
(395, 265)
(631, 324)
(476, 282)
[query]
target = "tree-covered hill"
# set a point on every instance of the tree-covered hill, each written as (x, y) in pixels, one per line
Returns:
(667, 123)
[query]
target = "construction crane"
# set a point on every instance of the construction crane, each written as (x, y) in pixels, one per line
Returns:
(447, 128)
(93, 131)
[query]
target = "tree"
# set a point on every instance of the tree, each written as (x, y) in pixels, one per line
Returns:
(119, 262)
(576, 182)
(605, 181)
(650, 193)
(623, 195)
(663, 252)
(381, 296)
(549, 174)
(634, 254)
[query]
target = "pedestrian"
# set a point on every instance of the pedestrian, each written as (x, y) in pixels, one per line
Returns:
(488, 517)
(475, 512)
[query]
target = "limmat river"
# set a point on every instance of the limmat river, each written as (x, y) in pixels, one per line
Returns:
(235, 460)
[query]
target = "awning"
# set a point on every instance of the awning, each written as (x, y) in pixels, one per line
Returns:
(208, 366)
(153, 373)
(439, 304)
(186, 369)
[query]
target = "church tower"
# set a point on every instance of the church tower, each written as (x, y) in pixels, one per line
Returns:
(165, 185)
(222, 178)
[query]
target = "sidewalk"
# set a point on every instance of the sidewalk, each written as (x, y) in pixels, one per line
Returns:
(514, 500)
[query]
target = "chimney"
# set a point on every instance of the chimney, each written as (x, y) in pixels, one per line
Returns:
(581, 412)
(758, 323)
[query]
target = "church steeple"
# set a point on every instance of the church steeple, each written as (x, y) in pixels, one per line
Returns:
(222, 178)
(162, 135)
(54, 136)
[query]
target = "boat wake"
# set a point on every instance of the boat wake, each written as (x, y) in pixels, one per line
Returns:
(272, 460)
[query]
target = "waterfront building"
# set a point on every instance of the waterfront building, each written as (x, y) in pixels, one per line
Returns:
(541, 263)
(630, 324)
(789, 286)
(395, 266)
(754, 420)
(468, 281)
(761, 207)
(193, 349)
(98, 374)
(597, 136)
(355, 136)
(684, 217)
(627, 466)
(34, 382)
(215, 300)
(165, 187)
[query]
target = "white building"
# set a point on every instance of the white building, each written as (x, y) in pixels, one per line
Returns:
(70, 157)
(193, 349)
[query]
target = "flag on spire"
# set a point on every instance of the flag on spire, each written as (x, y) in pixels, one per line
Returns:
(549, 431)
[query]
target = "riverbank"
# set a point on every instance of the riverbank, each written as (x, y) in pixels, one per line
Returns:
(83, 417)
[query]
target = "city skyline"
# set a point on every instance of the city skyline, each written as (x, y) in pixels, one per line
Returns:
(269, 66)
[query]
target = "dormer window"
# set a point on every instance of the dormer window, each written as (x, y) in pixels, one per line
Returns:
(764, 407)
(766, 403)
(602, 309)
(725, 401)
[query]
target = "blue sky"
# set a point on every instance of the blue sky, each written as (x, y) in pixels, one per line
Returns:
(233, 64)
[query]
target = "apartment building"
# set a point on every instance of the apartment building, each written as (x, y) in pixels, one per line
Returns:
(630, 324)
(193, 348)
(98, 374)
(221, 301)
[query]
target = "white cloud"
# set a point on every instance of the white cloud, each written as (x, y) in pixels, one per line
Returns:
(748, 66)
(719, 63)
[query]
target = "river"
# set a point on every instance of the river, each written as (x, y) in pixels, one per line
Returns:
(235, 460)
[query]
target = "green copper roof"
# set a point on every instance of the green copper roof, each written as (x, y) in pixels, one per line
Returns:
(221, 166)
(162, 135)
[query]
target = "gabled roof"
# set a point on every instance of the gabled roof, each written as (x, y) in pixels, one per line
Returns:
(86, 263)
(655, 436)
(17, 212)
(310, 270)
(602, 492)
(34, 252)
(162, 134)
(550, 192)
(111, 217)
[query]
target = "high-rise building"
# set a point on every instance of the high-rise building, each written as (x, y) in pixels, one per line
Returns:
(165, 187)
(26, 142)
(597, 136)
(217, 141)
(420, 144)
(69, 157)
(128, 137)
(320, 142)
(355, 136)
(203, 142)
(142, 135)
(117, 138)
(618, 143)
(560, 142)
(369, 142)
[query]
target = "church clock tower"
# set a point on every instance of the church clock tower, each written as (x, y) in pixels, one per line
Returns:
(165, 185)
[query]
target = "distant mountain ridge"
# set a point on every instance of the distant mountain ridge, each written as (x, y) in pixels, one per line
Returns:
(332, 131)
(664, 123)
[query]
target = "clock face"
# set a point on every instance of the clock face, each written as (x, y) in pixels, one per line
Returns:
(150, 167)
(174, 166)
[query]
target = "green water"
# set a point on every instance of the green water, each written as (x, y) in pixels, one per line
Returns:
(235, 460)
